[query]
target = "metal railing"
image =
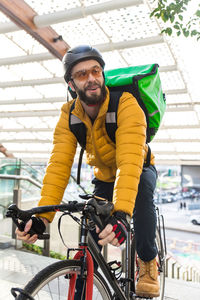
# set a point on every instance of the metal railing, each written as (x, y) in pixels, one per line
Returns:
(17, 200)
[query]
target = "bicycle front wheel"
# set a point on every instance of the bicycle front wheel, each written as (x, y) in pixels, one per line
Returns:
(52, 283)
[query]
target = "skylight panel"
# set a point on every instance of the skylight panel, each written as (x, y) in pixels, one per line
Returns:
(29, 44)
(178, 98)
(162, 147)
(19, 93)
(50, 6)
(180, 118)
(29, 122)
(30, 71)
(82, 31)
(158, 53)
(41, 106)
(188, 147)
(50, 121)
(52, 90)
(114, 60)
(54, 66)
(171, 80)
(93, 2)
(6, 74)
(128, 23)
(13, 107)
(183, 133)
(7, 123)
(9, 48)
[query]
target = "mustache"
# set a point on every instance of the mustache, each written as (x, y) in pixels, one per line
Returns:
(89, 86)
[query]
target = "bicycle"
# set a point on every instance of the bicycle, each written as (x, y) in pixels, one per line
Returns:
(58, 281)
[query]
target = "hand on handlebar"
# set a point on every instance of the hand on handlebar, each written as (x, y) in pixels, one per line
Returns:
(115, 231)
(25, 236)
(29, 232)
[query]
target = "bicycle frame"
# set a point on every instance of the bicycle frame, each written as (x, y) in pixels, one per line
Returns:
(86, 241)
(88, 248)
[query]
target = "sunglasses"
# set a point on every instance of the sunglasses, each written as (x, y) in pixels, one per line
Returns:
(83, 75)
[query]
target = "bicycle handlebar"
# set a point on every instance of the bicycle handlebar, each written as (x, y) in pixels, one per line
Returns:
(98, 210)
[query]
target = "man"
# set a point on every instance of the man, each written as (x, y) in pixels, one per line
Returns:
(118, 168)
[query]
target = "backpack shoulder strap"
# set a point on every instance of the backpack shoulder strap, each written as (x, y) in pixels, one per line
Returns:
(111, 115)
(77, 127)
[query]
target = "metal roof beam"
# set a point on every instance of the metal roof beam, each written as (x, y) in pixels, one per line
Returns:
(29, 151)
(7, 61)
(130, 44)
(70, 14)
(186, 140)
(27, 141)
(180, 127)
(172, 127)
(177, 162)
(32, 82)
(174, 152)
(31, 130)
(102, 47)
(180, 108)
(177, 91)
(23, 16)
(30, 113)
(162, 141)
(54, 80)
(39, 113)
(154, 151)
(33, 101)
(179, 104)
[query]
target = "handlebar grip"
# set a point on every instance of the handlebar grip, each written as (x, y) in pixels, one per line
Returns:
(44, 236)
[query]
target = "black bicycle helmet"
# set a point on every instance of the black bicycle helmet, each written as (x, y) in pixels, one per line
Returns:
(78, 54)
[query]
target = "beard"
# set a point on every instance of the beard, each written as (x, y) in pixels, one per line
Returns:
(92, 99)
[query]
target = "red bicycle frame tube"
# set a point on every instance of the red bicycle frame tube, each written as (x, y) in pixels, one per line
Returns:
(90, 275)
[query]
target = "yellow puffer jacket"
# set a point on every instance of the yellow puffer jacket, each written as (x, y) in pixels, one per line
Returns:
(121, 162)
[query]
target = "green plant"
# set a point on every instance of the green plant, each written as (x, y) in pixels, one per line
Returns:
(38, 250)
(173, 12)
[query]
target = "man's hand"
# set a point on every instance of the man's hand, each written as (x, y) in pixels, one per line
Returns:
(25, 236)
(107, 236)
(115, 232)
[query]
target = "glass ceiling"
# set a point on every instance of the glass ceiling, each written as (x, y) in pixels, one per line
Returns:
(32, 89)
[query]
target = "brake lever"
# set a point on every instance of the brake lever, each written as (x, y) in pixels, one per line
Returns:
(101, 212)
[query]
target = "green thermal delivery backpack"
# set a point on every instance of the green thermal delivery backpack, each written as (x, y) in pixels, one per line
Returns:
(145, 85)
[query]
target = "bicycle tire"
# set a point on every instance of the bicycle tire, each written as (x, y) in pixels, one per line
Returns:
(43, 285)
(161, 269)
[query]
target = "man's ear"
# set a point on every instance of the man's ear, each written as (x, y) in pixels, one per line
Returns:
(70, 84)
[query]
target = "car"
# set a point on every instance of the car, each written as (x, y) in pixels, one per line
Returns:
(195, 219)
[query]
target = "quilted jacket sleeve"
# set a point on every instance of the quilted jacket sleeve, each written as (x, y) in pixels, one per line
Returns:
(60, 163)
(130, 152)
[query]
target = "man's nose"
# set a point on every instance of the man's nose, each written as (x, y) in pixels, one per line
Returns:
(91, 77)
